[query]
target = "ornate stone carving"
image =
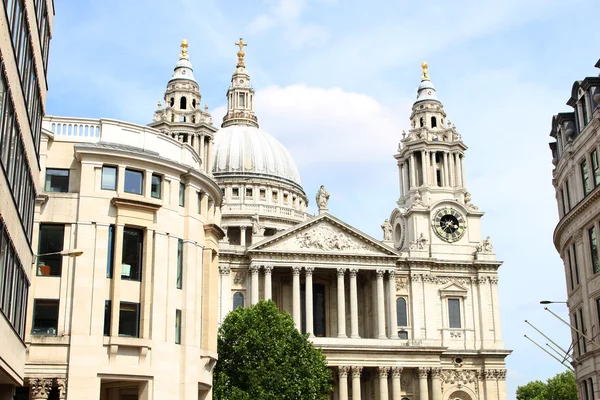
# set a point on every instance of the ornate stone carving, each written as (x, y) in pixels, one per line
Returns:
(309, 270)
(436, 373)
(257, 227)
(493, 280)
(416, 277)
(422, 373)
(224, 269)
(485, 246)
(456, 335)
(382, 372)
(239, 277)
(392, 274)
(343, 371)
(379, 273)
(268, 269)
(341, 272)
(481, 280)
(418, 199)
(353, 272)
(296, 270)
(442, 280)
(400, 282)
(489, 374)
(396, 372)
(326, 238)
(356, 371)
(40, 388)
(322, 198)
(387, 230)
(468, 203)
(61, 383)
(420, 243)
(254, 269)
(428, 278)
(459, 377)
(501, 374)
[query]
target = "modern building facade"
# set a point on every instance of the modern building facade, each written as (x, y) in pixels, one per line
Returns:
(135, 316)
(25, 30)
(413, 316)
(576, 178)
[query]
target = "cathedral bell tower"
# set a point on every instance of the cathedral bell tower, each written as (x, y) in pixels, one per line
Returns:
(434, 208)
(182, 116)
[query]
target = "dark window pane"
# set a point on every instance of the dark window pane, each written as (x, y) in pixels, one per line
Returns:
(133, 181)
(129, 319)
(594, 249)
(238, 300)
(51, 240)
(454, 313)
(107, 317)
(585, 178)
(45, 317)
(595, 167)
(178, 326)
(57, 180)
(182, 195)
(110, 259)
(156, 188)
(109, 178)
(319, 310)
(179, 264)
(402, 335)
(133, 240)
(401, 317)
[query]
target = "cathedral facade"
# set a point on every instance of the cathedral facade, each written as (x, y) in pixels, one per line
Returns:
(414, 315)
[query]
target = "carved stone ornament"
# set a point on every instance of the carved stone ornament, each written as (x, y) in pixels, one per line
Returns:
(296, 270)
(382, 372)
(422, 373)
(322, 198)
(40, 388)
(309, 270)
(341, 272)
(254, 269)
(380, 273)
(356, 371)
(468, 203)
(325, 238)
(343, 371)
(387, 229)
(436, 373)
(239, 277)
(268, 269)
(442, 280)
(456, 335)
(400, 282)
(416, 278)
(224, 269)
(459, 377)
(61, 383)
(418, 199)
(420, 243)
(485, 246)
(396, 372)
(353, 272)
(493, 280)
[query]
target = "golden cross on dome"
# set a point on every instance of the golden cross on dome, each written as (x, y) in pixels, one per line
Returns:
(184, 47)
(241, 53)
(424, 65)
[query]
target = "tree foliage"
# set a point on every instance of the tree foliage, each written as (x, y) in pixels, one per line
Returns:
(560, 387)
(263, 356)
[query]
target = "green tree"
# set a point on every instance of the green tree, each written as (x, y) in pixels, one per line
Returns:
(263, 356)
(560, 387)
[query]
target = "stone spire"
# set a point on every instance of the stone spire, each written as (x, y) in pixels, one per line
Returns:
(240, 95)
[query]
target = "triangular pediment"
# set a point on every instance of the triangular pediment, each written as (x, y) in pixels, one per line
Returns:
(453, 289)
(324, 234)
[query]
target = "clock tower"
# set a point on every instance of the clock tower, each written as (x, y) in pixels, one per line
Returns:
(435, 216)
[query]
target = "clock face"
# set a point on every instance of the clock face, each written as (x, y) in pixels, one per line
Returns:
(449, 224)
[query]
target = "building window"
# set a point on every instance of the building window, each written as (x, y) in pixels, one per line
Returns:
(235, 192)
(248, 192)
(183, 103)
(585, 178)
(594, 248)
(568, 194)
(285, 197)
(263, 194)
(577, 335)
(595, 167)
(591, 385)
(571, 275)
(433, 122)
(179, 264)
(274, 195)
(182, 194)
(57, 180)
(242, 100)
(454, 313)
(129, 319)
(401, 316)
(199, 202)
(109, 178)
(51, 240)
(582, 329)
(107, 316)
(177, 326)
(156, 187)
(133, 243)
(238, 300)
(45, 317)
(583, 111)
(110, 258)
(575, 266)
(134, 181)
(564, 203)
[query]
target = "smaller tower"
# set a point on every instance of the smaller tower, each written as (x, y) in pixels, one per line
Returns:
(240, 96)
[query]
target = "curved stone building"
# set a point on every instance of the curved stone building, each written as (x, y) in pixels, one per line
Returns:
(576, 178)
(133, 317)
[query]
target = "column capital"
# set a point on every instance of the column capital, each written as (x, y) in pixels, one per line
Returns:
(296, 270)
(62, 388)
(392, 274)
(353, 272)
(382, 372)
(243, 228)
(422, 372)
(254, 269)
(309, 270)
(436, 373)
(356, 371)
(343, 371)
(379, 273)
(225, 269)
(396, 372)
(268, 269)
(341, 272)
(40, 387)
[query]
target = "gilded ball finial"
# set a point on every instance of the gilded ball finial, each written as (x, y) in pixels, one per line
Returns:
(424, 65)
(184, 49)
(241, 53)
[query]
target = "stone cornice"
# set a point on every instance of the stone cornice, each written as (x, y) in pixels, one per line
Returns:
(134, 203)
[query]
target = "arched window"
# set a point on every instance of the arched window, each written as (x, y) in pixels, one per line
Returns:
(422, 121)
(238, 300)
(183, 103)
(401, 316)
(193, 103)
(171, 101)
(433, 122)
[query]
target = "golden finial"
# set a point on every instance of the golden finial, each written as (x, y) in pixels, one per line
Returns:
(424, 65)
(241, 53)
(184, 51)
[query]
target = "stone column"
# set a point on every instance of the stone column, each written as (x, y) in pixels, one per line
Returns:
(353, 304)
(380, 305)
(40, 388)
(445, 169)
(225, 286)
(296, 297)
(462, 169)
(405, 177)
(115, 295)
(204, 160)
(356, 371)
(457, 170)
(422, 373)
(451, 169)
(209, 156)
(436, 383)
(424, 172)
(309, 299)
(401, 171)
(343, 382)
(254, 269)
(382, 373)
(433, 171)
(268, 282)
(396, 383)
(392, 320)
(413, 175)
(341, 303)
(243, 235)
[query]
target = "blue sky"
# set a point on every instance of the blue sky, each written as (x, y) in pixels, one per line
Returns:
(335, 81)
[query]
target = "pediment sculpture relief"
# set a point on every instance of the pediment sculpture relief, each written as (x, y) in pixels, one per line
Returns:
(326, 238)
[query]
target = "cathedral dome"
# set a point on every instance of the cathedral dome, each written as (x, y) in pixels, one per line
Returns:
(247, 150)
